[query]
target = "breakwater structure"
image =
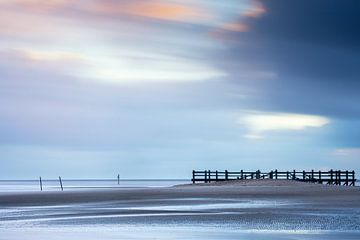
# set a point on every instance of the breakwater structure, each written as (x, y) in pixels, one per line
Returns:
(331, 177)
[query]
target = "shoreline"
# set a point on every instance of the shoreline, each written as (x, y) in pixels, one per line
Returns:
(256, 189)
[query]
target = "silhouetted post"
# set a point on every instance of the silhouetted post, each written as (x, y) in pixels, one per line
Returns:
(242, 174)
(271, 174)
(312, 175)
(216, 175)
(320, 181)
(205, 176)
(304, 175)
(193, 178)
(209, 172)
(331, 177)
(276, 175)
(294, 174)
(40, 184)
(336, 177)
(339, 180)
(287, 174)
(226, 175)
(61, 185)
(118, 179)
(347, 178)
(353, 178)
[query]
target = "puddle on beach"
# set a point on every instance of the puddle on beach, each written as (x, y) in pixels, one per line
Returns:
(163, 232)
(179, 219)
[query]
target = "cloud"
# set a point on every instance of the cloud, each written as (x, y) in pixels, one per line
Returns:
(235, 27)
(349, 153)
(212, 15)
(114, 69)
(117, 71)
(161, 10)
(256, 10)
(259, 124)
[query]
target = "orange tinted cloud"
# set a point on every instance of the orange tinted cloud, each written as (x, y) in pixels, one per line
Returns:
(235, 27)
(157, 9)
(150, 9)
(256, 10)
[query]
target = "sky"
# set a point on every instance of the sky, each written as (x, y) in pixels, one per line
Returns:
(157, 88)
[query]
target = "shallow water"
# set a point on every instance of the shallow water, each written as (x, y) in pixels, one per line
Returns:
(183, 218)
(54, 185)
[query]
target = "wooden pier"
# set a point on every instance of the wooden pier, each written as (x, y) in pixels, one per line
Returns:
(332, 177)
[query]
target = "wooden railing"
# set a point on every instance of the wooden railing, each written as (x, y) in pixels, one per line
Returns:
(332, 177)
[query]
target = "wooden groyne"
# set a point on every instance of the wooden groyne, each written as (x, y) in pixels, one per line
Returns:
(332, 177)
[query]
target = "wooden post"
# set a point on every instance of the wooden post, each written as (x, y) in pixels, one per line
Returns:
(241, 174)
(118, 179)
(226, 175)
(205, 176)
(339, 179)
(193, 176)
(347, 178)
(336, 177)
(271, 174)
(61, 185)
(216, 175)
(294, 174)
(331, 177)
(353, 178)
(320, 181)
(40, 185)
(276, 174)
(304, 175)
(312, 175)
(209, 172)
(287, 175)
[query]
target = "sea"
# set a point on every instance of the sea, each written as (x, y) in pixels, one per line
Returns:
(83, 184)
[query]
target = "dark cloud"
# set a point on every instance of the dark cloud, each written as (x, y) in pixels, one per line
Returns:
(312, 48)
(323, 22)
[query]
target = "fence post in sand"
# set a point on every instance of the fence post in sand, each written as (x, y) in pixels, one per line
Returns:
(287, 174)
(312, 175)
(276, 174)
(353, 178)
(40, 184)
(61, 185)
(205, 176)
(331, 177)
(118, 179)
(209, 172)
(320, 181)
(216, 175)
(226, 175)
(193, 176)
(294, 174)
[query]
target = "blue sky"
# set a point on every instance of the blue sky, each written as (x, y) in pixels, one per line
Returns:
(154, 89)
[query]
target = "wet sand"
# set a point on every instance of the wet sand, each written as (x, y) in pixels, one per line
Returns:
(248, 209)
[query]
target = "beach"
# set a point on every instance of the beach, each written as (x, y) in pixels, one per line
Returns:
(253, 209)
